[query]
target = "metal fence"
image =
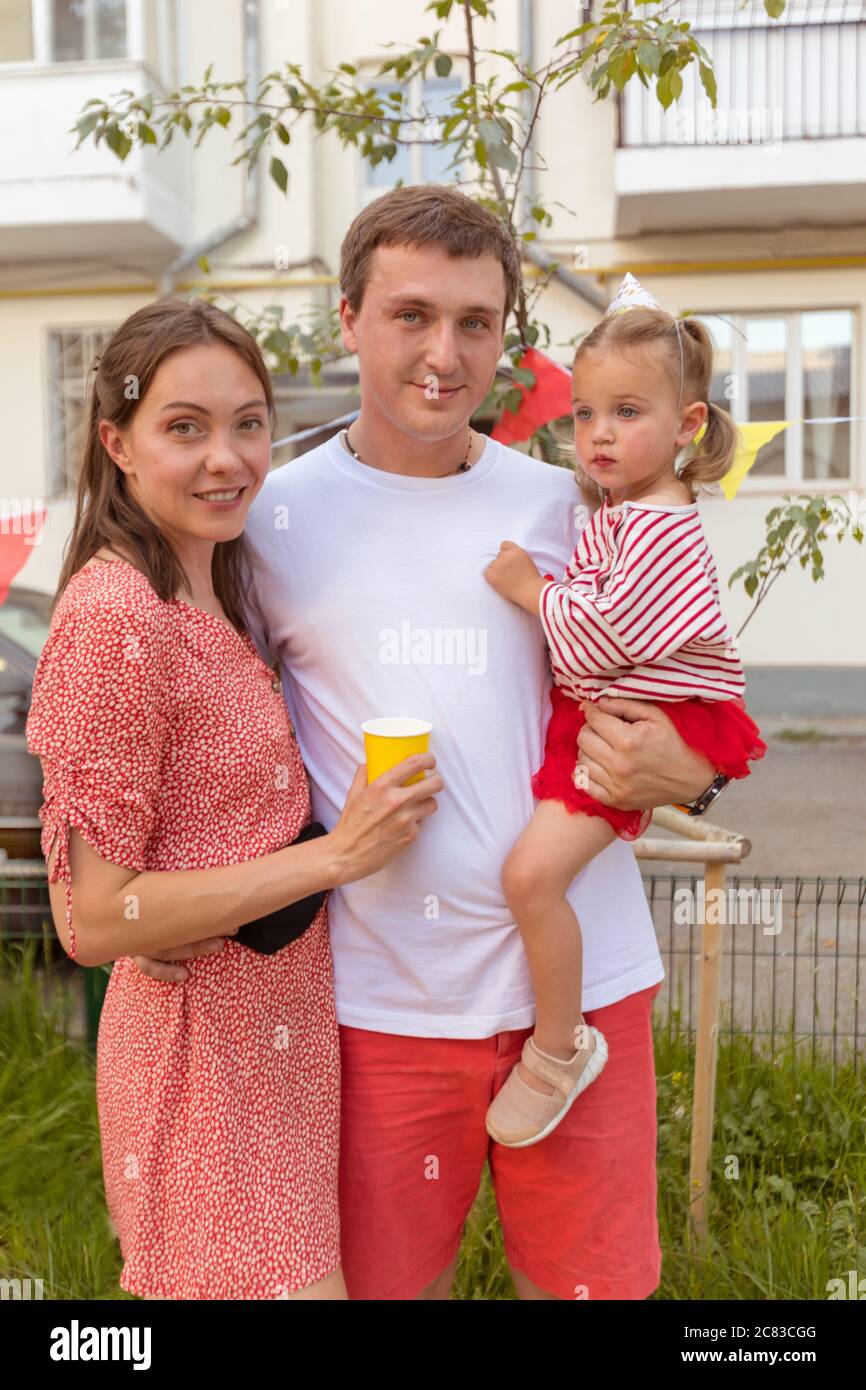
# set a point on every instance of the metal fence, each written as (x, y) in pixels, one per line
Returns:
(793, 967)
(804, 72)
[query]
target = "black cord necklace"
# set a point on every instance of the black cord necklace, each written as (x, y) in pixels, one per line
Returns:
(464, 467)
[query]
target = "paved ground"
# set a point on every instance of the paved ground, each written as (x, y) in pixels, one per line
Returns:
(804, 805)
(804, 810)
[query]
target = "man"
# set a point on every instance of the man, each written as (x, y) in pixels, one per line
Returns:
(368, 585)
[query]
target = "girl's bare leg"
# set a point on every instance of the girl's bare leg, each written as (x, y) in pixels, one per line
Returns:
(554, 847)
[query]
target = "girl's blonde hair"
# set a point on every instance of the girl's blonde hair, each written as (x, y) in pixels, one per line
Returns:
(645, 326)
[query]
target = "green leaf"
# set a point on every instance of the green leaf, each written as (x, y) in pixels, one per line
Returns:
(279, 173)
(481, 153)
(708, 78)
(146, 134)
(117, 141)
(669, 87)
(490, 132)
(222, 116)
(648, 56)
(443, 65)
(203, 264)
(574, 33)
(86, 124)
(503, 157)
(775, 8)
(283, 134)
(620, 68)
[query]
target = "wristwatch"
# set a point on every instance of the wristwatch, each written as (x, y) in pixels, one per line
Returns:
(700, 804)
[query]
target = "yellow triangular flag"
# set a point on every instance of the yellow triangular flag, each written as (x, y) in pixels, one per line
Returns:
(753, 437)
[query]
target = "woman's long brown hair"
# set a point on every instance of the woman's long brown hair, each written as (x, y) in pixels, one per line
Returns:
(106, 514)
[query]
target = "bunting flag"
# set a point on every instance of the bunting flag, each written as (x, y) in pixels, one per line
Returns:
(16, 546)
(753, 437)
(547, 400)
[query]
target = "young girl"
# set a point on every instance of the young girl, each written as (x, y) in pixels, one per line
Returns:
(637, 615)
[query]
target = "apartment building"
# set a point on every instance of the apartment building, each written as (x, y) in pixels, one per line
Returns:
(753, 216)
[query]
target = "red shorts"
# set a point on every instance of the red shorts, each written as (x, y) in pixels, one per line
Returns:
(720, 729)
(578, 1209)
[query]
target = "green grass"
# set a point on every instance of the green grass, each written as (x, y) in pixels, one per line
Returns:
(809, 735)
(792, 1219)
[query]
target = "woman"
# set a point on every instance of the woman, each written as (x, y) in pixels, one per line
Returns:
(173, 790)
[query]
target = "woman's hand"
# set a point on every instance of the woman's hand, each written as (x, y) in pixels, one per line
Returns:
(515, 576)
(379, 821)
(162, 967)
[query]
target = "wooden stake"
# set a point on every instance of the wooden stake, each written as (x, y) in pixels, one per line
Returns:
(705, 1059)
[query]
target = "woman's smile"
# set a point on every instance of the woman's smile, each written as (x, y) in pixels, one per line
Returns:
(223, 499)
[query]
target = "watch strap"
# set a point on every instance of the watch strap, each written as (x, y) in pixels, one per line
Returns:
(706, 798)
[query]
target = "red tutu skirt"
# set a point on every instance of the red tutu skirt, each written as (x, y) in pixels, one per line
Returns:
(720, 729)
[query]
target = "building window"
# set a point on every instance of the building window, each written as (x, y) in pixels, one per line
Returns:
(790, 366)
(87, 29)
(69, 31)
(420, 163)
(70, 356)
(16, 31)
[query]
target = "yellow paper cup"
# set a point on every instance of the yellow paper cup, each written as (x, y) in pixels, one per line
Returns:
(388, 741)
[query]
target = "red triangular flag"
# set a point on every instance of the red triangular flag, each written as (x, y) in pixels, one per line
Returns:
(547, 400)
(16, 546)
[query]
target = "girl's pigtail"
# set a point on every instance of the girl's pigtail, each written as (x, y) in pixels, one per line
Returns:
(715, 454)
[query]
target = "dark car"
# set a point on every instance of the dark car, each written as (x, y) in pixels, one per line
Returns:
(24, 621)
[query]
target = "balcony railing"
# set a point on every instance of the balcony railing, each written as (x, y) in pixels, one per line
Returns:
(799, 77)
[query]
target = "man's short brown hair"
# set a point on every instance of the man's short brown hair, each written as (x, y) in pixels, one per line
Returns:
(426, 215)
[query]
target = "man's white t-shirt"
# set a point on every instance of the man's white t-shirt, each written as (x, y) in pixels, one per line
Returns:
(369, 588)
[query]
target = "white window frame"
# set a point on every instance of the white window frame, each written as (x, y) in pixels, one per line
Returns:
(55, 397)
(168, 56)
(366, 192)
(792, 479)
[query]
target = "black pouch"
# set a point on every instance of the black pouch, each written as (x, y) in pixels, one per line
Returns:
(270, 934)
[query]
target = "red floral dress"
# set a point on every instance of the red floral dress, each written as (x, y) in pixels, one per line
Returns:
(166, 743)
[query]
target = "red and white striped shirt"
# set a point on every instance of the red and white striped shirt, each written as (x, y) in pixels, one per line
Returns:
(637, 613)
